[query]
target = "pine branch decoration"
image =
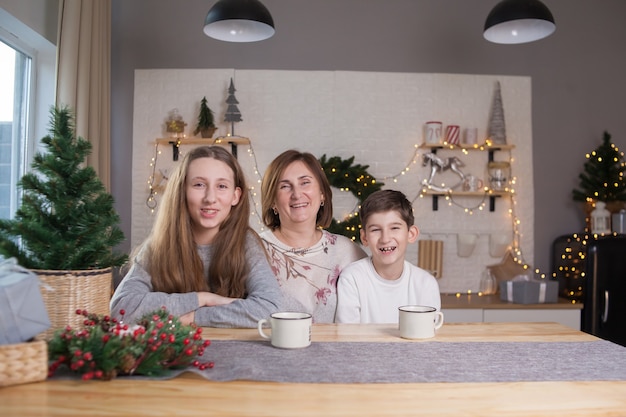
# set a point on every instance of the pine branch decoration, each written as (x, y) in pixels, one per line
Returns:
(603, 175)
(105, 348)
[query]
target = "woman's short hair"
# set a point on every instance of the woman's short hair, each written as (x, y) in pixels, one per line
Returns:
(271, 180)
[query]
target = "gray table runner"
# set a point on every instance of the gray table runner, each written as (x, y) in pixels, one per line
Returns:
(373, 362)
(365, 362)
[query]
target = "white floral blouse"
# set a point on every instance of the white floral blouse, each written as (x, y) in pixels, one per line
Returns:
(308, 277)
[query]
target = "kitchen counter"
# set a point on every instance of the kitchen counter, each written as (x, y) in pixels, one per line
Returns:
(450, 301)
(475, 308)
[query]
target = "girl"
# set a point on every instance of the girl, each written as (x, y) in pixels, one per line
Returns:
(202, 261)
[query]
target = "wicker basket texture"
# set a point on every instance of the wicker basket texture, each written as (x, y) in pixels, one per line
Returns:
(23, 362)
(65, 292)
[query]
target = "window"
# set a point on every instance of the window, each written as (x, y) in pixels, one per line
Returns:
(15, 81)
(27, 83)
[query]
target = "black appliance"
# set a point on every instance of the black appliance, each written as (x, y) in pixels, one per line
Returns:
(604, 289)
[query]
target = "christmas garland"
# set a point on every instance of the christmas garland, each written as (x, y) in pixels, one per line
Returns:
(105, 347)
(342, 174)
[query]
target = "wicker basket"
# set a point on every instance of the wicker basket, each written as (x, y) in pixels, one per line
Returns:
(66, 291)
(23, 362)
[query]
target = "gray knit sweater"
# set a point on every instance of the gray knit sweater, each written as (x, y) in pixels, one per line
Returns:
(136, 296)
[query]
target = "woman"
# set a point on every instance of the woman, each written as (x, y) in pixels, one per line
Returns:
(202, 261)
(297, 204)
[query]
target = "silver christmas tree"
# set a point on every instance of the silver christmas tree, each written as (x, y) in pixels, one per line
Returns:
(497, 128)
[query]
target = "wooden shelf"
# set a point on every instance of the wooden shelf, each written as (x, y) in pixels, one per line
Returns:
(492, 195)
(485, 147)
(477, 147)
(489, 193)
(490, 148)
(233, 141)
(222, 140)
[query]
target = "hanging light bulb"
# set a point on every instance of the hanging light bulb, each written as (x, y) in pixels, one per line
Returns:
(518, 21)
(239, 21)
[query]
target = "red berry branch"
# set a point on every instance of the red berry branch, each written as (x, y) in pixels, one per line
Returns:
(105, 347)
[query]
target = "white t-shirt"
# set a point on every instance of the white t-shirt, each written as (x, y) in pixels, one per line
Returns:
(363, 296)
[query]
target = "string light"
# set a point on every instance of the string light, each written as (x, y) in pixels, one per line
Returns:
(407, 167)
(151, 201)
(252, 189)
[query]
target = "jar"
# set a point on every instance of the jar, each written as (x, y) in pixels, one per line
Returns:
(600, 219)
(499, 173)
(618, 222)
(488, 283)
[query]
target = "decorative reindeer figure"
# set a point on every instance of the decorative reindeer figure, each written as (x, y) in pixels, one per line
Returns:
(438, 165)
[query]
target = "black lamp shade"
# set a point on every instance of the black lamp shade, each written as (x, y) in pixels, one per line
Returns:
(518, 21)
(239, 21)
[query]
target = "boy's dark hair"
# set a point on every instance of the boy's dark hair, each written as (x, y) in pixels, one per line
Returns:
(387, 200)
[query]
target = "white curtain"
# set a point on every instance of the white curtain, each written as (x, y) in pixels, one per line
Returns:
(84, 75)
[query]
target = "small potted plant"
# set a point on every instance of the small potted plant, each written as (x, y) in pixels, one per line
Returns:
(206, 126)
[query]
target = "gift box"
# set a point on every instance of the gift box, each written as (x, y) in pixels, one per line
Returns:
(23, 313)
(527, 291)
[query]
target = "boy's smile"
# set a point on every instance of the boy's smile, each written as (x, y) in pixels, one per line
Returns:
(388, 236)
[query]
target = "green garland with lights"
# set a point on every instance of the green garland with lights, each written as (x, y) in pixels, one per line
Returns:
(342, 174)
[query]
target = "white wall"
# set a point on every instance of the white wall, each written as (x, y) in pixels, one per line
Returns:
(375, 117)
(40, 15)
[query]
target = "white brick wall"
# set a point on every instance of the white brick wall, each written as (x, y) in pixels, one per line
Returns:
(376, 117)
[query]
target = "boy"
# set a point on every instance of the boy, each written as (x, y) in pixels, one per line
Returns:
(371, 290)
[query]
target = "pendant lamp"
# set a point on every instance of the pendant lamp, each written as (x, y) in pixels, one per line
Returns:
(518, 21)
(239, 21)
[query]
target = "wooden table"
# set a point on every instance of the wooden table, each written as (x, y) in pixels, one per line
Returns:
(191, 395)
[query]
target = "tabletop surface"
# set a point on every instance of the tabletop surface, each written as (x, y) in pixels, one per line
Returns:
(192, 395)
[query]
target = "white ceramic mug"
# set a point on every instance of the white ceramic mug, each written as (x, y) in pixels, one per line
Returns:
(433, 132)
(452, 134)
(290, 330)
(419, 322)
(472, 183)
(471, 136)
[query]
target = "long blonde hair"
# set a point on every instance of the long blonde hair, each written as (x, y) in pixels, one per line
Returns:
(170, 254)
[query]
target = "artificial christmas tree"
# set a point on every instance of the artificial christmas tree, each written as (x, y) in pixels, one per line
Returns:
(602, 179)
(206, 125)
(67, 219)
(66, 226)
(603, 176)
